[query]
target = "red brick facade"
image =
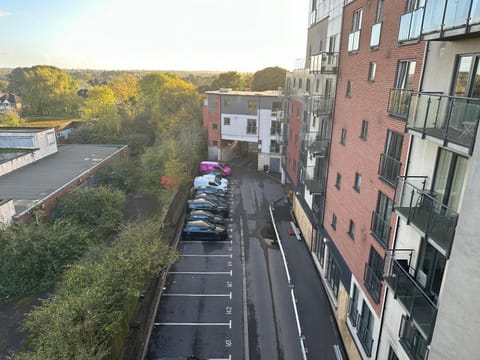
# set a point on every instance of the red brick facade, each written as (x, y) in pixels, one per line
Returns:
(294, 139)
(212, 121)
(368, 101)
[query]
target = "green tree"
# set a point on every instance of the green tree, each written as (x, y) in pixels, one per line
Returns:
(125, 88)
(100, 106)
(231, 79)
(3, 85)
(270, 78)
(10, 118)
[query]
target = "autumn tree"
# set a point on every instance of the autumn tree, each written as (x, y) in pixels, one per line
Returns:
(270, 78)
(125, 87)
(10, 118)
(231, 79)
(100, 106)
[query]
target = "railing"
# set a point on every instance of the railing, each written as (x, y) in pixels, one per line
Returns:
(411, 25)
(324, 63)
(352, 312)
(363, 333)
(389, 169)
(448, 118)
(373, 282)
(375, 35)
(318, 147)
(399, 103)
(354, 41)
(321, 105)
(443, 15)
(435, 221)
(314, 181)
(380, 229)
(412, 341)
(420, 307)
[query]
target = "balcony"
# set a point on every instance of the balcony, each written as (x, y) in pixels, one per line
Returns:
(324, 63)
(320, 105)
(317, 147)
(375, 35)
(380, 229)
(446, 19)
(453, 120)
(411, 25)
(399, 103)
(389, 169)
(432, 219)
(313, 179)
(421, 309)
(373, 282)
(364, 335)
(412, 341)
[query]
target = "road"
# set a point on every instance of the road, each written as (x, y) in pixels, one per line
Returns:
(232, 299)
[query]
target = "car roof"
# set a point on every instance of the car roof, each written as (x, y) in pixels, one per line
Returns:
(198, 223)
(202, 212)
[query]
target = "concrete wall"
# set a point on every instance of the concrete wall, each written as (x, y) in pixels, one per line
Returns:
(7, 211)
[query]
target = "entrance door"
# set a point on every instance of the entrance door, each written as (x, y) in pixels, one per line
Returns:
(275, 165)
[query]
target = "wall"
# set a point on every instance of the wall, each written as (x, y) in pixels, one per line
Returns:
(7, 210)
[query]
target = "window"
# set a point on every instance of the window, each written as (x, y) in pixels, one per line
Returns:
(214, 126)
(251, 126)
(412, 340)
(252, 107)
(358, 182)
(373, 274)
(338, 181)
(226, 103)
(391, 354)
(349, 88)
(276, 107)
(334, 221)
(352, 307)
(357, 20)
(351, 230)
(378, 16)
(226, 121)
(328, 87)
(467, 76)
(364, 130)
(300, 83)
(354, 36)
(365, 329)
(317, 85)
(333, 274)
(371, 71)
(214, 142)
(381, 219)
(413, 5)
(343, 136)
(275, 128)
(307, 85)
(390, 164)
(405, 72)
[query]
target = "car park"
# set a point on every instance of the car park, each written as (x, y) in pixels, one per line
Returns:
(206, 216)
(203, 230)
(204, 204)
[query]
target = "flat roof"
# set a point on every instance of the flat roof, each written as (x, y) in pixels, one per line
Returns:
(30, 184)
(274, 93)
(24, 129)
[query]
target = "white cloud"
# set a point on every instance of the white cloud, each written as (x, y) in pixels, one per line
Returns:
(4, 13)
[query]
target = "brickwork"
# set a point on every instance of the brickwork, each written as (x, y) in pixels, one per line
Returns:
(294, 139)
(368, 101)
(212, 119)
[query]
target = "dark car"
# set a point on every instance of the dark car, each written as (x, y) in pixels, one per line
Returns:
(204, 204)
(212, 197)
(209, 190)
(206, 216)
(203, 230)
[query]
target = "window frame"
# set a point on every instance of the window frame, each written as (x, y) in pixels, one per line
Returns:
(226, 121)
(358, 182)
(351, 229)
(338, 181)
(364, 130)
(343, 136)
(372, 68)
(334, 221)
(251, 129)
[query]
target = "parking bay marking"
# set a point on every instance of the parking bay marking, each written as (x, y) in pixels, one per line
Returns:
(213, 255)
(201, 295)
(229, 324)
(201, 272)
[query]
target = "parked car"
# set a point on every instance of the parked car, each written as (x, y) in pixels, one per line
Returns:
(209, 190)
(203, 230)
(207, 166)
(217, 178)
(202, 181)
(206, 216)
(204, 204)
(212, 197)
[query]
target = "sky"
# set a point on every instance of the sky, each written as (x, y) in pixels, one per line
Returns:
(214, 35)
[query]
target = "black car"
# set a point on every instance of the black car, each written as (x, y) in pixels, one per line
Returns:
(204, 204)
(206, 216)
(209, 190)
(211, 197)
(203, 230)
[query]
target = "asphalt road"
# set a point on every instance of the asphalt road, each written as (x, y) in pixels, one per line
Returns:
(232, 299)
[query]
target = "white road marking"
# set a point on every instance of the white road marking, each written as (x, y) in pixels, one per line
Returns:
(229, 324)
(200, 295)
(201, 272)
(204, 242)
(246, 346)
(193, 255)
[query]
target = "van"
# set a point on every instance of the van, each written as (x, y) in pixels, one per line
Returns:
(203, 181)
(207, 166)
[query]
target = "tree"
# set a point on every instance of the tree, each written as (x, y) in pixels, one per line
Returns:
(125, 88)
(3, 85)
(100, 105)
(10, 118)
(270, 78)
(231, 79)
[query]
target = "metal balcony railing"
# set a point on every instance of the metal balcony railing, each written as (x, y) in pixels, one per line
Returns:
(380, 229)
(313, 179)
(321, 105)
(324, 63)
(447, 18)
(373, 282)
(389, 169)
(435, 221)
(399, 103)
(364, 335)
(448, 118)
(421, 309)
(411, 25)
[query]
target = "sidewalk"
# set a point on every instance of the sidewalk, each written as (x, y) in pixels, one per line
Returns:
(315, 315)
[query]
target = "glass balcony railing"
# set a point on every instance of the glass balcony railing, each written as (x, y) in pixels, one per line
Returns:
(389, 169)
(324, 63)
(421, 309)
(380, 228)
(399, 103)
(364, 335)
(412, 341)
(448, 118)
(321, 105)
(318, 147)
(354, 41)
(373, 282)
(411, 25)
(313, 179)
(445, 18)
(435, 221)
(375, 35)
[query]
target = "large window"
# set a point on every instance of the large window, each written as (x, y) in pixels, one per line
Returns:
(373, 274)
(352, 306)
(405, 72)
(390, 164)
(252, 107)
(354, 36)
(365, 329)
(431, 266)
(333, 275)
(381, 219)
(251, 126)
(467, 76)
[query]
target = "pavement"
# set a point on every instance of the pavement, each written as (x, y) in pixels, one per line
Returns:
(318, 326)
